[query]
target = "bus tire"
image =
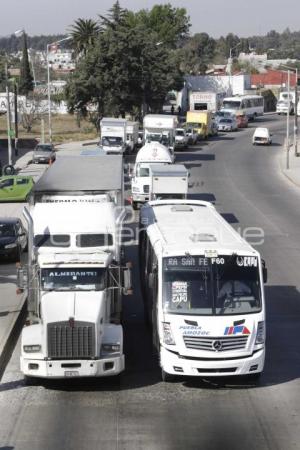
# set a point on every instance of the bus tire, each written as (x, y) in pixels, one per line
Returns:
(167, 377)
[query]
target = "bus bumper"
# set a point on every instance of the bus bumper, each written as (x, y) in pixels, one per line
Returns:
(179, 365)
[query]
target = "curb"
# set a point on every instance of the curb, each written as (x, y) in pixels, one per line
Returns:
(13, 334)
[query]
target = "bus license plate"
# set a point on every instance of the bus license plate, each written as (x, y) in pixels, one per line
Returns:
(71, 373)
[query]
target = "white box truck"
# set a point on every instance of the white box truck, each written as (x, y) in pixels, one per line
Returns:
(161, 128)
(168, 181)
(150, 153)
(203, 288)
(113, 135)
(132, 136)
(75, 277)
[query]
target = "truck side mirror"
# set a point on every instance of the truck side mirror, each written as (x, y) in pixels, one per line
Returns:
(127, 280)
(265, 271)
(21, 280)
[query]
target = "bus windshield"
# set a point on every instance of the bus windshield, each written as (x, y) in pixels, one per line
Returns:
(226, 285)
(73, 279)
(231, 104)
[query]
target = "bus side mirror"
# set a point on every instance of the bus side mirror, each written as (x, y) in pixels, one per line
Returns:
(127, 279)
(265, 271)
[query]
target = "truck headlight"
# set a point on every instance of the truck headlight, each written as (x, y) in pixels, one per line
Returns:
(32, 348)
(107, 349)
(11, 245)
(260, 334)
(167, 334)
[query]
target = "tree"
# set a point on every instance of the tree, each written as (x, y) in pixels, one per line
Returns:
(126, 68)
(171, 25)
(198, 53)
(84, 33)
(26, 80)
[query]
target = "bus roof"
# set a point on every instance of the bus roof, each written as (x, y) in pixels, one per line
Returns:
(178, 227)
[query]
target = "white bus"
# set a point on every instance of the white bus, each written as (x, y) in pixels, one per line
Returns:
(203, 290)
(249, 105)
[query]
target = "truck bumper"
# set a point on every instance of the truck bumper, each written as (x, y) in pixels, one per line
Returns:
(72, 368)
(177, 365)
(140, 198)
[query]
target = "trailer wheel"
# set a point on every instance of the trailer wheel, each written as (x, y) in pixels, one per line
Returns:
(134, 205)
(8, 170)
(167, 377)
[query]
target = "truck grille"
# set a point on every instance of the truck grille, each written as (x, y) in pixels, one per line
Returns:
(66, 341)
(215, 344)
(146, 188)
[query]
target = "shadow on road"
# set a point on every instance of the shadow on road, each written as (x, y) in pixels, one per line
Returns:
(205, 196)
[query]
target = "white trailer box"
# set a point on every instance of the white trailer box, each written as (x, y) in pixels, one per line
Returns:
(150, 153)
(161, 128)
(168, 181)
(132, 135)
(113, 135)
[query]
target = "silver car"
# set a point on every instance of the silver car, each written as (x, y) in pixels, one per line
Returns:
(43, 153)
(227, 124)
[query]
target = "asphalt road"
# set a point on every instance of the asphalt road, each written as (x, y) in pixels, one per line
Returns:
(141, 412)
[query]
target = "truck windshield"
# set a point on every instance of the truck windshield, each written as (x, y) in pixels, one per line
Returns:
(142, 170)
(231, 104)
(73, 279)
(226, 285)
(153, 137)
(112, 141)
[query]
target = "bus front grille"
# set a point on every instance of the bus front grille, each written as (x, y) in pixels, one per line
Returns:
(216, 344)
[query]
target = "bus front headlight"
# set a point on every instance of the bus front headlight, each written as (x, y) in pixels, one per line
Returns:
(167, 334)
(260, 334)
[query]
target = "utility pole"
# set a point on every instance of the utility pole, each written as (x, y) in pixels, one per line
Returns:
(9, 146)
(288, 127)
(296, 116)
(16, 117)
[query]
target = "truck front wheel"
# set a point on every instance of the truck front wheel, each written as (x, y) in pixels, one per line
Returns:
(134, 205)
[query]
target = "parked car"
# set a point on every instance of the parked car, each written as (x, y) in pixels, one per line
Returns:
(227, 124)
(242, 121)
(261, 136)
(192, 136)
(13, 238)
(181, 138)
(43, 153)
(15, 188)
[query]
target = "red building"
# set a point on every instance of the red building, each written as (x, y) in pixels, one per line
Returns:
(273, 79)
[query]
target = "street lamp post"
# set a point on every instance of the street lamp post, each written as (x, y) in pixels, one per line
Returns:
(9, 146)
(295, 113)
(48, 82)
(288, 126)
(230, 65)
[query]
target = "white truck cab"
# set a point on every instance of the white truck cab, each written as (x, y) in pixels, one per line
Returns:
(150, 153)
(161, 128)
(113, 135)
(203, 289)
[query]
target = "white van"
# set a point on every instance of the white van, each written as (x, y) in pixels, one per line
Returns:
(261, 136)
(150, 153)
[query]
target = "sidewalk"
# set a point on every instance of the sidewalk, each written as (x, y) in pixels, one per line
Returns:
(293, 173)
(12, 306)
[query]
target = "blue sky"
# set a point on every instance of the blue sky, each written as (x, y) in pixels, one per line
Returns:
(215, 17)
